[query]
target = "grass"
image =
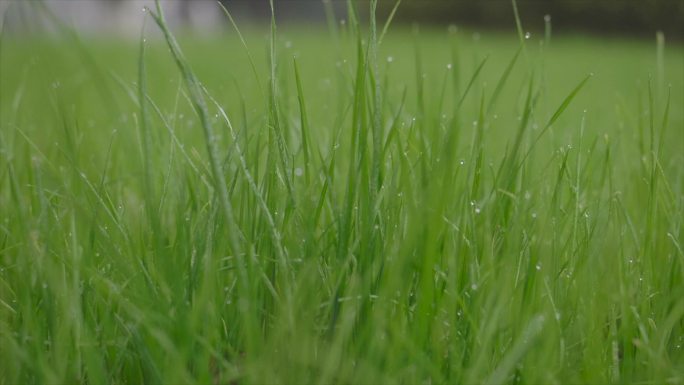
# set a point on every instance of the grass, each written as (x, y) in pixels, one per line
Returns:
(364, 205)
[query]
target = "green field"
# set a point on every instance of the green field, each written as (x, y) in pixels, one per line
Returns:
(341, 206)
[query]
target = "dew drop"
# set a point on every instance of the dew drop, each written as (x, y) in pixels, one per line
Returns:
(390, 59)
(527, 35)
(298, 171)
(449, 66)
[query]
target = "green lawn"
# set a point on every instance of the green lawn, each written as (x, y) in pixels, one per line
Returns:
(446, 207)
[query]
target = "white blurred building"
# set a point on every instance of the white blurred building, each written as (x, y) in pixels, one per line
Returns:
(126, 16)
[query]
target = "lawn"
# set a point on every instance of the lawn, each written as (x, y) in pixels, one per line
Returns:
(341, 205)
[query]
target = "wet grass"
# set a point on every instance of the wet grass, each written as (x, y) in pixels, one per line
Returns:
(355, 205)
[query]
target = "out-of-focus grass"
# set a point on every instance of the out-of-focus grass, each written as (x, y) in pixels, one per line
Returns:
(394, 237)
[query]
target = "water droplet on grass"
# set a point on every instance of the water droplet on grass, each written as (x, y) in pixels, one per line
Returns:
(298, 171)
(527, 35)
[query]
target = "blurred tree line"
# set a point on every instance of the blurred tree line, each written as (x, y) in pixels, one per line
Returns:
(635, 17)
(642, 17)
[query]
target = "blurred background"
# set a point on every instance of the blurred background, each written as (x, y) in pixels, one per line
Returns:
(615, 17)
